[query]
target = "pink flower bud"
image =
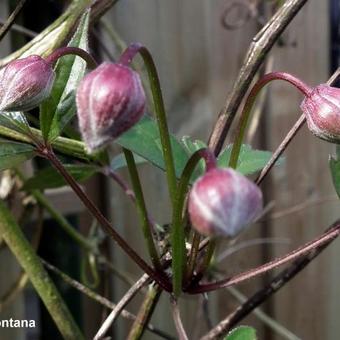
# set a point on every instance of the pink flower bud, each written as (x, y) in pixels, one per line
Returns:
(322, 111)
(110, 100)
(223, 202)
(25, 83)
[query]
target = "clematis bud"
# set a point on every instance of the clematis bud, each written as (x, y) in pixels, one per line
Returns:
(24, 83)
(322, 110)
(110, 100)
(223, 202)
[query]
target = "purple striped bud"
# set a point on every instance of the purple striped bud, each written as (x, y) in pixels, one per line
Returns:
(110, 100)
(223, 202)
(25, 83)
(322, 111)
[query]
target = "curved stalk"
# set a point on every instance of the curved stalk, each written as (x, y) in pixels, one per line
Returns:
(75, 51)
(177, 230)
(250, 102)
(126, 59)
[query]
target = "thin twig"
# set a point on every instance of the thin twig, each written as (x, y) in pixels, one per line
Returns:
(316, 243)
(265, 318)
(282, 147)
(100, 299)
(145, 312)
(10, 21)
(20, 29)
(177, 320)
(259, 48)
(264, 293)
(120, 306)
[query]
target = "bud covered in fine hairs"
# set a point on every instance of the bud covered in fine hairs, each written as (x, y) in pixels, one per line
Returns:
(322, 111)
(223, 202)
(110, 100)
(25, 83)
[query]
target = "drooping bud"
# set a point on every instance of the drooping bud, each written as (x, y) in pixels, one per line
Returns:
(322, 111)
(223, 202)
(110, 100)
(25, 83)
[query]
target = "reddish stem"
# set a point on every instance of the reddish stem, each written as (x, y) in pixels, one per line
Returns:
(158, 277)
(319, 242)
(60, 52)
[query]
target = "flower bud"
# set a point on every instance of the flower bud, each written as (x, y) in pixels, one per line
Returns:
(322, 111)
(223, 202)
(25, 83)
(110, 100)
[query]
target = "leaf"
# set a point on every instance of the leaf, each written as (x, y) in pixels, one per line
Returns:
(49, 177)
(191, 147)
(143, 139)
(119, 161)
(250, 160)
(334, 165)
(15, 121)
(242, 333)
(59, 108)
(13, 153)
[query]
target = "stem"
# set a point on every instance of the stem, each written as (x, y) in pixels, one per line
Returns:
(120, 306)
(10, 21)
(158, 277)
(107, 171)
(62, 51)
(177, 230)
(141, 207)
(250, 102)
(193, 255)
(178, 320)
(44, 286)
(282, 147)
(145, 312)
(257, 52)
(267, 291)
(310, 246)
(208, 256)
(126, 59)
(100, 299)
(289, 137)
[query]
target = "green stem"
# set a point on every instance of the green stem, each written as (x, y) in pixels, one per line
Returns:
(141, 207)
(177, 230)
(126, 59)
(44, 286)
(145, 312)
(250, 102)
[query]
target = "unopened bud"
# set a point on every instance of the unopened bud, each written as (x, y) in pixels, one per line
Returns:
(25, 83)
(110, 100)
(322, 111)
(223, 202)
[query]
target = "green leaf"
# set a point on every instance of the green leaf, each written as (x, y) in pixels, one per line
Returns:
(242, 333)
(15, 121)
(334, 164)
(13, 153)
(249, 161)
(49, 177)
(191, 147)
(59, 108)
(119, 161)
(143, 139)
